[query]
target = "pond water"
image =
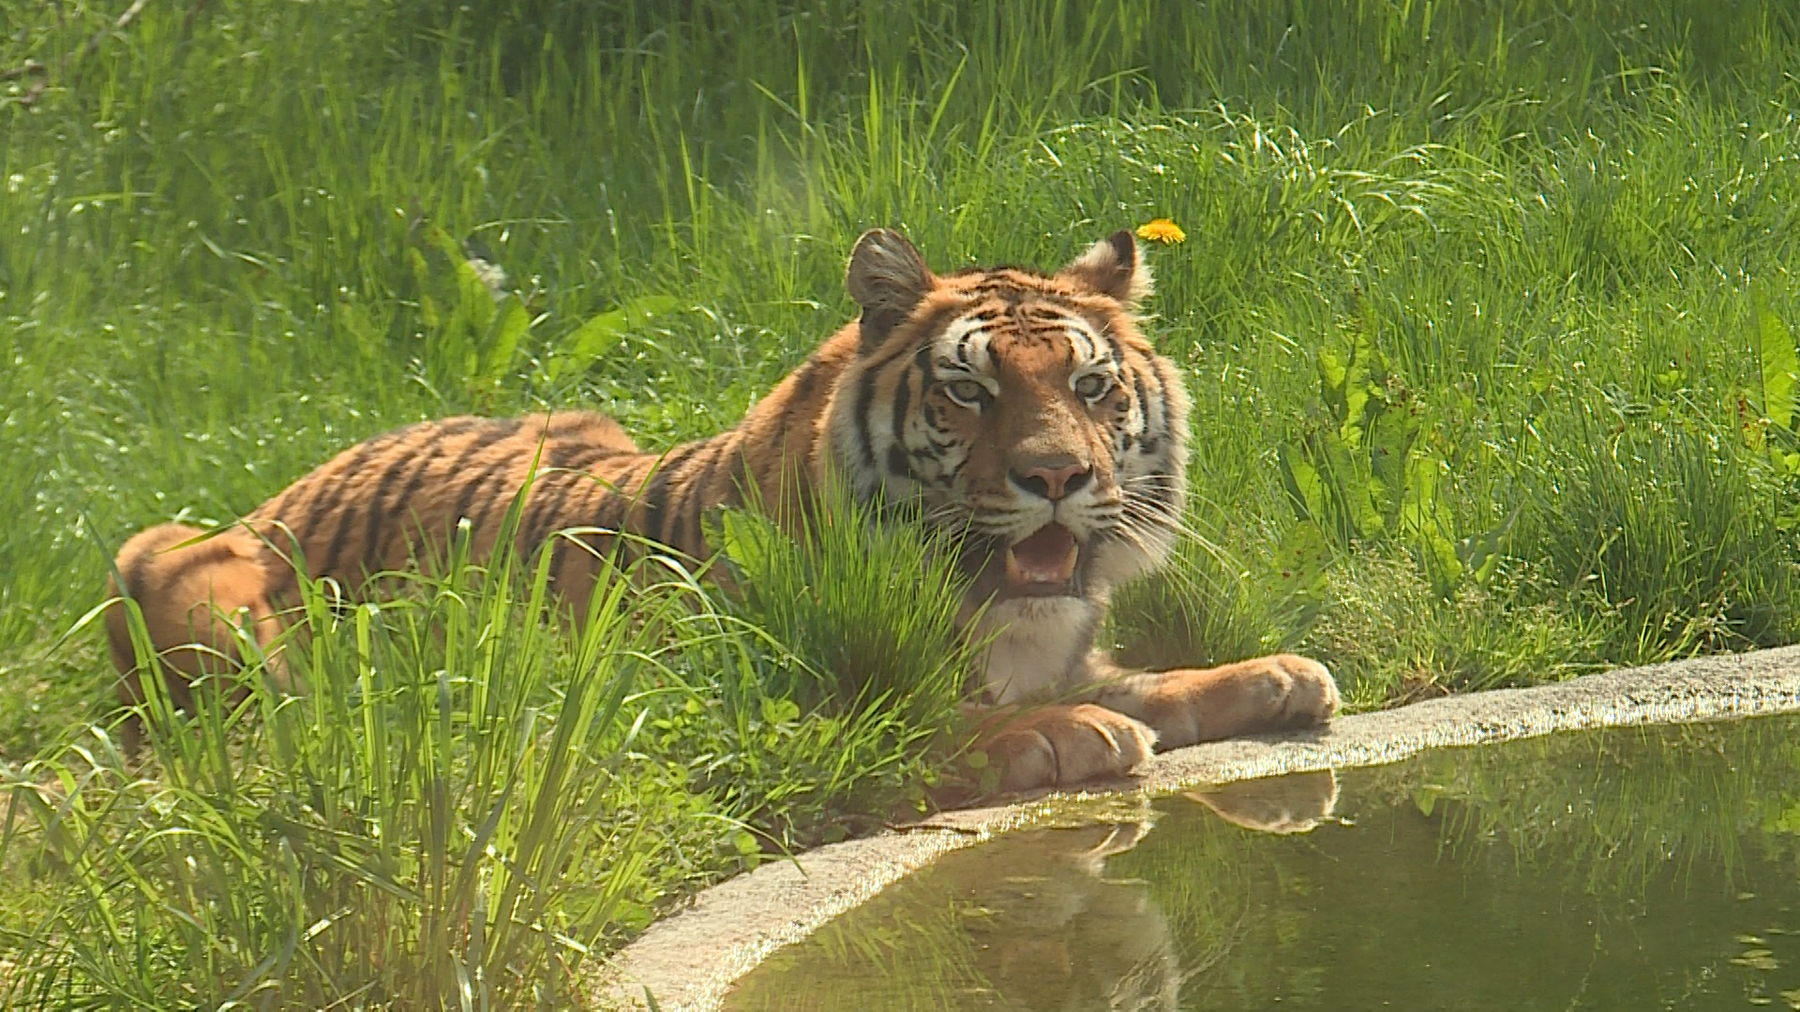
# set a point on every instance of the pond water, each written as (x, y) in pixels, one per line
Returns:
(1622, 869)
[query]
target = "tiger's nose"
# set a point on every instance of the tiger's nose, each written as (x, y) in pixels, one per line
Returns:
(1054, 481)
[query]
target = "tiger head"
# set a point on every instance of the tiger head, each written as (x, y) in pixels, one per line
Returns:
(1022, 412)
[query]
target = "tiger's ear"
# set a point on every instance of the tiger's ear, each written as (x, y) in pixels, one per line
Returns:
(887, 278)
(1112, 267)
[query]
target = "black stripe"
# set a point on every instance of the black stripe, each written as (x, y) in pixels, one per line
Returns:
(472, 490)
(898, 464)
(317, 515)
(340, 535)
(458, 426)
(903, 394)
(413, 484)
(721, 447)
(805, 379)
(1161, 493)
(615, 505)
(655, 496)
(374, 552)
(498, 433)
(739, 476)
(696, 502)
(281, 587)
(865, 400)
(318, 510)
(133, 576)
(1112, 342)
(548, 511)
(559, 551)
(559, 555)
(579, 456)
(962, 347)
(1143, 399)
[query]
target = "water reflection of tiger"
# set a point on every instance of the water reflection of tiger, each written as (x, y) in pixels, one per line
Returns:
(1044, 921)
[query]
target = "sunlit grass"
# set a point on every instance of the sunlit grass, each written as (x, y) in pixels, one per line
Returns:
(476, 792)
(1474, 303)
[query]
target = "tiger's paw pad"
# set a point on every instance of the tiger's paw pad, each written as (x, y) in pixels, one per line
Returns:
(1067, 745)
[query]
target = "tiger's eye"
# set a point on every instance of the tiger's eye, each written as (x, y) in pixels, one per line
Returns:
(966, 392)
(1093, 386)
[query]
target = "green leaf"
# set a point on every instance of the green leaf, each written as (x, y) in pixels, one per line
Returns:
(1787, 821)
(600, 334)
(476, 300)
(1351, 485)
(1302, 559)
(500, 345)
(1780, 365)
(428, 310)
(1480, 553)
(1391, 437)
(1334, 368)
(1425, 519)
(1306, 490)
(779, 712)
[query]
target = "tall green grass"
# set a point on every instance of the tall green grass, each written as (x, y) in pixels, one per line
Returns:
(472, 798)
(1487, 310)
(449, 814)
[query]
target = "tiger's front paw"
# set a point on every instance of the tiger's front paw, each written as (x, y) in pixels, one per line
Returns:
(1058, 746)
(1275, 693)
(1302, 692)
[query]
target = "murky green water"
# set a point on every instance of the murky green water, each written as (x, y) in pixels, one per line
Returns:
(1629, 869)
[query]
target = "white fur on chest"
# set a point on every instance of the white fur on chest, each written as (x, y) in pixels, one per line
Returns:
(1038, 646)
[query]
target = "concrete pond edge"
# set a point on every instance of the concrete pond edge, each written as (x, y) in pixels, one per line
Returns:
(689, 960)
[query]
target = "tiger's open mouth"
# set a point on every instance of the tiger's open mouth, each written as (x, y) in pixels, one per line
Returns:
(1043, 565)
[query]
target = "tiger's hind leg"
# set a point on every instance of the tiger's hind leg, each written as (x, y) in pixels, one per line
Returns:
(190, 595)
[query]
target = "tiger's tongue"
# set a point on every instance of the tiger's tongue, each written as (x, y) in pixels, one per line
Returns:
(1046, 557)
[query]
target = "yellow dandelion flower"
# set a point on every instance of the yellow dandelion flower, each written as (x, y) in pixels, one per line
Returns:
(1161, 230)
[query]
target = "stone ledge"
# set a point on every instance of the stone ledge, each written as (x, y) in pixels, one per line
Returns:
(689, 960)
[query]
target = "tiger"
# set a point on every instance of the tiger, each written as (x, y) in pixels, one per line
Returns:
(1023, 413)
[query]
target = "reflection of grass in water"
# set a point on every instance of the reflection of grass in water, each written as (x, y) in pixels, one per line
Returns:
(1632, 815)
(915, 941)
(1604, 811)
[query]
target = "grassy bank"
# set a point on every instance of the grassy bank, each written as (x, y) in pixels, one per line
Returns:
(1486, 309)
